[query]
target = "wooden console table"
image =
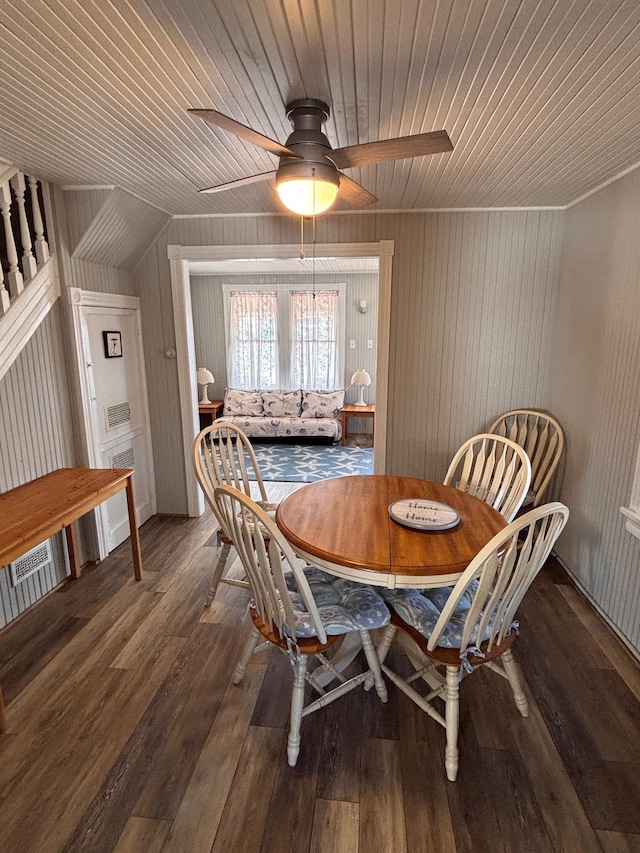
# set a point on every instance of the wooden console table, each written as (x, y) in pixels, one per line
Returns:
(33, 512)
(353, 411)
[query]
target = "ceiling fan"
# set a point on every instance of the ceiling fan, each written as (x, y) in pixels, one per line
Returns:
(308, 178)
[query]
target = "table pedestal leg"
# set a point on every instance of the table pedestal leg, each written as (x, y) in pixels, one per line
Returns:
(348, 650)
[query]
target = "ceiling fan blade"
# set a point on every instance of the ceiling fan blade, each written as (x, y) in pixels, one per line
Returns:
(354, 194)
(232, 126)
(400, 148)
(241, 182)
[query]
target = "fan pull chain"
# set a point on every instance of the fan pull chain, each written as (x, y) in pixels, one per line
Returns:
(313, 243)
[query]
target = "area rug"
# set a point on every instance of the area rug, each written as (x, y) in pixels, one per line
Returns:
(306, 463)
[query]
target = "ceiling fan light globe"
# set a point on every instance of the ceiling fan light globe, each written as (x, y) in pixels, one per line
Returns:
(307, 196)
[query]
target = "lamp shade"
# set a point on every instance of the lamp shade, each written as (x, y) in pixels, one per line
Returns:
(204, 377)
(360, 378)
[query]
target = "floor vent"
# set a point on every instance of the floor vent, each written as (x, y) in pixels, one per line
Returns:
(31, 562)
(124, 459)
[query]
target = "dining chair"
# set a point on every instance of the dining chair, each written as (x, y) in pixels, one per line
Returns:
(493, 468)
(220, 454)
(472, 624)
(542, 437)
(300, 609)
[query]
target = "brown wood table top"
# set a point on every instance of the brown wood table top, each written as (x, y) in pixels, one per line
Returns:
(343, 525)
(31, 513)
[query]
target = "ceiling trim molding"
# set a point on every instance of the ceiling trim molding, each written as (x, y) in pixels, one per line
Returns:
(79, 188)
(382, 212)
(604, 185)
(385, 212)
(276, 250)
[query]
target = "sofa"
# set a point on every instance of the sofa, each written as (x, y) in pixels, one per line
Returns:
(284, 413)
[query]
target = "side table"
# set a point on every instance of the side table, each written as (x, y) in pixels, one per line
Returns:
(209, 412)
(353, 411)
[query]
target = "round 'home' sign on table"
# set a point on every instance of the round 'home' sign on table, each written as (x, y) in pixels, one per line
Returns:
(423, 515)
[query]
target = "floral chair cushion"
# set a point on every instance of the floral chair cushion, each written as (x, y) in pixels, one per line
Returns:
(322, 404)
(282, 404)
(238, 402)
(344, 605)
(421, 609)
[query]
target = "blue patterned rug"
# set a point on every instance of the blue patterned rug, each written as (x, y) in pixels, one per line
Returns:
(306, 463)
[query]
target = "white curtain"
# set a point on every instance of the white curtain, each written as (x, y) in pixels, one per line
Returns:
(314, 316)
(253, 344)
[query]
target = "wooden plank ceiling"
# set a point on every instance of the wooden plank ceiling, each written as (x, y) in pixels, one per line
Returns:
(541, 98)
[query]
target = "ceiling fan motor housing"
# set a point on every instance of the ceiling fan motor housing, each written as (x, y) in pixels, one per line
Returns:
(307, 116)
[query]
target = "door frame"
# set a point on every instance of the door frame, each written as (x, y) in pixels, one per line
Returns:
(78, 300)
(179, 258)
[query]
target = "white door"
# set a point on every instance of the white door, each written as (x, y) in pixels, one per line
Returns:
(116, 408)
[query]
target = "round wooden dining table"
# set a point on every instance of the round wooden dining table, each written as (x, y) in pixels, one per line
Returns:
(343, 526)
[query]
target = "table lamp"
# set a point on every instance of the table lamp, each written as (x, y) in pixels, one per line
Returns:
(204, 377)
(360, 378)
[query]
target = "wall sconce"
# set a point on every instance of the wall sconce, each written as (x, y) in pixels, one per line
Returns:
(363, 307)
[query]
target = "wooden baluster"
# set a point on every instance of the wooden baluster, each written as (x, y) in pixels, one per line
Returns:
(4, 294)
(29, 266)
(14, 276)
(42, 247)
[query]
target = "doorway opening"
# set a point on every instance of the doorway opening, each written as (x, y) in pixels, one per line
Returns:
(186, 261)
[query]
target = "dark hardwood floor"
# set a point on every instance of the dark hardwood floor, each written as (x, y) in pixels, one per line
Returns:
(126, 734)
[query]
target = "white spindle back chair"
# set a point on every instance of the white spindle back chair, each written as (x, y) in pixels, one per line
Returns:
(277, 617)
(542, 437)
(220, 455)
(472, 624)
(494, 469)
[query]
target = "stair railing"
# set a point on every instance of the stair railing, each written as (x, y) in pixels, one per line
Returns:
(23, 230)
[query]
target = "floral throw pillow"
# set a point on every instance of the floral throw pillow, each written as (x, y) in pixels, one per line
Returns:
(322, 404)
(248, 403)
(282, 404)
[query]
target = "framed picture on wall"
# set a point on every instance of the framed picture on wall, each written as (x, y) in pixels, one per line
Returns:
(112, 344)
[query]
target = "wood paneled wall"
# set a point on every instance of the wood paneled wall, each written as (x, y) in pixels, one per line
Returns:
(595, 392)
(75, 214)
(37, 436)
(82, 207)
(117, 232)
(472, 308)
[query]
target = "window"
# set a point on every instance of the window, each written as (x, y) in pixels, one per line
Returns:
(285, 336)
(253, 339)
(315, 339)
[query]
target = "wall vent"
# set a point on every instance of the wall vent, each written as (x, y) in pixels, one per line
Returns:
(31, 562)
(118, 414)
(124, 459)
